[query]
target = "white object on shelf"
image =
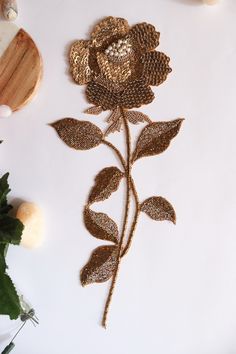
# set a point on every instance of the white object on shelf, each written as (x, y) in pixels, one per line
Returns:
(5, 111)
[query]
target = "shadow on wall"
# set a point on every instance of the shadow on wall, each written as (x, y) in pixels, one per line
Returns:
(4, 338)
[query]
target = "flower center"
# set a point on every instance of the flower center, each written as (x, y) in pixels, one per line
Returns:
(119, 49)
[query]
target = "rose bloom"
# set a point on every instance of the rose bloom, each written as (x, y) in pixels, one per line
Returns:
(119, 63)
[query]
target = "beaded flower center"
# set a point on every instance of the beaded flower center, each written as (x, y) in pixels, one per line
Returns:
(119, 49)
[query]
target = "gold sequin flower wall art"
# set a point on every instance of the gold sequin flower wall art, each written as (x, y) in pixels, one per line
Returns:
(118, 64)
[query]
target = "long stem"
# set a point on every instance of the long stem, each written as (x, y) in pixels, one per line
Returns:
(133, 187)
(127, 205)
(134, 223)
(105, 142)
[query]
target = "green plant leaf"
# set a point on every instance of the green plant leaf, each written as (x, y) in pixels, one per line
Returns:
(9, 299)
(10, 230)
(4, 190)
(3, 250)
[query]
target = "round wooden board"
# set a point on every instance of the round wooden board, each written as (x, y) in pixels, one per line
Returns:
(20, 66)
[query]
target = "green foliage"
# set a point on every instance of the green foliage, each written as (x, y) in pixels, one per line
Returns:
(10, 230)
(9, 299)
(10, 233)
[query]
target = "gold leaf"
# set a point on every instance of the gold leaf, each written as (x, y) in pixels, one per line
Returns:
(158, 208)
(101, 226)
(100, 266)
(114, 116)
(78, 134)
(106, 182)
(114, 127)
(136, 117)
(93, 110)
(155, 138)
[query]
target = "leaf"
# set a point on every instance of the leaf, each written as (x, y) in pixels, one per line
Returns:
(158, 208)
(3, 250)
(101, 226)
(115, 120)
(115, 115)
(136, 117)
(114, 127)
(155, 138)
(10, 230)
(106, 182)
(93, 110)
(100, 266)
(4, 190)
(78, 134)
(9, 300)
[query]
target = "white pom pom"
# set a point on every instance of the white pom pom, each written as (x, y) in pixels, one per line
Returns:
(5, 111)
(31, 217)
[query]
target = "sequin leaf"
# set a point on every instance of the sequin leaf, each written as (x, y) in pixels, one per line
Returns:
(115, 118)
(114, 127)
(106, 182)
(93, 110)
(78, 134)
(155, 138)
(100, 225)
(100, 266)
(158, 208)
(136, 117)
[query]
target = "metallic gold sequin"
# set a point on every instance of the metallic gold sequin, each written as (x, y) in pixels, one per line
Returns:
(119, 63)
(101, 226)
(136, 117)
(78, 134)
(155, 67)
(144, 36)
(95, 110)
(106, 182)
(100, 266)
(110, 28)
(156, 137)
(159, 209)
(79, 61)
(114, 71)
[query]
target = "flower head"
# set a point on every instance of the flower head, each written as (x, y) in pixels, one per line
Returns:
(119, 63)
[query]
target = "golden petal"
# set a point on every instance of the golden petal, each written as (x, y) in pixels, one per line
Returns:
(114, 71)
(155, 67)
(79, 62)
(108, 28)
(144, 36)
(101, 96)
(136, 94)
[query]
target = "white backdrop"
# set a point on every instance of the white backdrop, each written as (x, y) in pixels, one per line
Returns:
(176, 292)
